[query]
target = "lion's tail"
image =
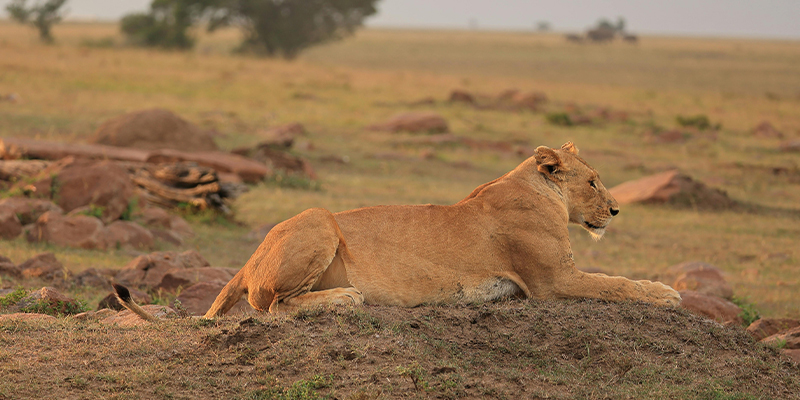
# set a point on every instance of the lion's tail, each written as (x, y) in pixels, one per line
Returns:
(228, 297)
(124, 297)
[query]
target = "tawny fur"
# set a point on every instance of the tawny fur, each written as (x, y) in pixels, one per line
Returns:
(508, 237)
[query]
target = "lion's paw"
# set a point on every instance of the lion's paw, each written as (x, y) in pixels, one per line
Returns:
(349, 296)
(661, 294)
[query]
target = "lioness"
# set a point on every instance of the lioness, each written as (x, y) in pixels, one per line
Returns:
(509, 237)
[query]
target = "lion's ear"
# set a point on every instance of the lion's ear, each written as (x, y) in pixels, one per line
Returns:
(570, 147)
(547, 160)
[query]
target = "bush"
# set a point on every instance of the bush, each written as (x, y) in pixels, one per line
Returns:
(559, 118)
(166, 25)
(699, 121)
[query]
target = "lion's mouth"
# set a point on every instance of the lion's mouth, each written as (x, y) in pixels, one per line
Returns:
(590, 226)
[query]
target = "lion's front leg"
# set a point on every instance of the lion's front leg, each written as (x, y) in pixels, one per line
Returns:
(577, 284)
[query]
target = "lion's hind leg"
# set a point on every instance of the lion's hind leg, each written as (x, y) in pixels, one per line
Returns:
(339, 296)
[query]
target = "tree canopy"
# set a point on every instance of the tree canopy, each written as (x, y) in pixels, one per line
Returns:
(41, 15)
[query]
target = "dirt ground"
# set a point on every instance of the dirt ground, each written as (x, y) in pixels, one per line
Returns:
(505, 350)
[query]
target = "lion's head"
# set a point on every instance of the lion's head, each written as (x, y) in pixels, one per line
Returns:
(589, 203)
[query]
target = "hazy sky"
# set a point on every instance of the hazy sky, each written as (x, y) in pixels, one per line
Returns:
(745, 18)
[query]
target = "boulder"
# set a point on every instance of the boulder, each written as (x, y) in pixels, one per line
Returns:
(277, 159)
(10, 226)
(26, 317)
(153, 129)
(198, 298)
(126, 318)
(129, 234)
(790, 145)
(183, 277)
(671, 187)
(111, 301)
(699, 277)
(414, 122)
(153, 217)
(81, 231)
(8, 268)
(28, 210)
(790, 339)
(103, 184)
(55, 301)
(766, 130)
(718, 309)
(793, 354)
(148, 270)
(94, 277)
(461, 96)
(43, 266)
(769, 326)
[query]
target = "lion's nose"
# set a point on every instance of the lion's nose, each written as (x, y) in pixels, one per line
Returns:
(614, 211)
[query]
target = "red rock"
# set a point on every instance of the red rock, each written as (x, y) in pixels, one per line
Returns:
(718, 309)
(111, 301)
(791, 145)
(700, 277)
(793, 354)
(249, 170)
(81, 231)
(10, 227)
(673, 187)
(197, 299)
(767, 131)
(27, 317)
(185, 277)
(100, 184)
(532, 100)
(769, 326)
(28, 210)
(789, 338)
(43, 266)
(149, 270)
(461, 96)
(160, 218)
(94, 277)
(127, 318)
(415, 122)
(8, 268)
(153, 129)
(129, 234)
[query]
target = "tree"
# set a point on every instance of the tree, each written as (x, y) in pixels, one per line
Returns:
(286, 27)
(42, 15)
(166, 25)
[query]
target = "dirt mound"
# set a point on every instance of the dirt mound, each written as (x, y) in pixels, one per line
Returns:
(153, 129)
(674, 188)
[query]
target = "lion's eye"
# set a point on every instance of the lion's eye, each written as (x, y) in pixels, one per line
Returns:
(591, 183)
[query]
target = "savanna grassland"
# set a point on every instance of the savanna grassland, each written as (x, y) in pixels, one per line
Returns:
(337, 90)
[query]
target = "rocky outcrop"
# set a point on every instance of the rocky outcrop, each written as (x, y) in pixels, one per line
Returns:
(765, 327)
(149, 270)
(43, 266)
(671, 187)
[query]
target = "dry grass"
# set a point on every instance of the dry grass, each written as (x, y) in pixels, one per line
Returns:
(69, 88)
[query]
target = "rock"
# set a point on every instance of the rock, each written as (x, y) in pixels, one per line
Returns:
(769, 326)
(766, 130)
(81, 231)
(129, 234)
(111, 301)
(700, 277)
(171, 237)
(153, 129)
(531, 101)
(184, 277)
(610, 115)
(26, 317)
(52, 299)
(793, 354)
(790, 145)
(10, 227)
(414, 122)
(282, 137)
(197, 299)
(159, 218)
(8, 268)
(95, 315)
(718, 309)
(281, 160)
(461, 96)
(104, 184)
(149, 270)
(249, 170)
(260, 233)
(28, 210)
(674, 188)
(127, 318)
(790, 337)
(94, 277)
(43, 266)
